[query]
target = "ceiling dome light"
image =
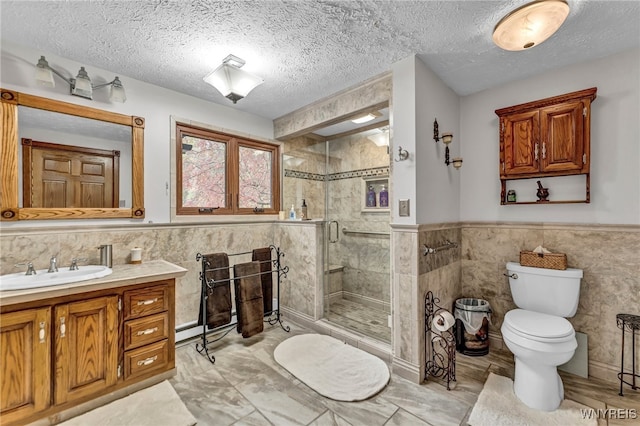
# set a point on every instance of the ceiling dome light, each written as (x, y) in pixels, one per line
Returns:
(232, 82)
(530, 24)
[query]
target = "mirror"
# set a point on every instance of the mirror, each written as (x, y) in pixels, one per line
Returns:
(24, 116)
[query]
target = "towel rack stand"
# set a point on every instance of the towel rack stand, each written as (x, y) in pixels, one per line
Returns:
(272, 317)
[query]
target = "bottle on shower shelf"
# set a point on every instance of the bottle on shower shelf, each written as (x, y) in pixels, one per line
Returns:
(384, 197)
(371, 197)
(292, 213)
(303, 210)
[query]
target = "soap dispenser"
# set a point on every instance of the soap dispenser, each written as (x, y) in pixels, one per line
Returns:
(292, 213)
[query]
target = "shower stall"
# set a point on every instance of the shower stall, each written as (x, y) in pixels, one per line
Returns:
(345, 181)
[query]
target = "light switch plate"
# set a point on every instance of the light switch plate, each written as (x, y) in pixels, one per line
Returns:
(403, 206)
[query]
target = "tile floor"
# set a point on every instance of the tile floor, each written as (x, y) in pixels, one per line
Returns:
(247, 387)
(361, 318)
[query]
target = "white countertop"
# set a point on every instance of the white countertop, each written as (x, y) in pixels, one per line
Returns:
(122, 275)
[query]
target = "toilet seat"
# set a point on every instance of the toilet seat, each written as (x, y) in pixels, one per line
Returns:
(538, 327)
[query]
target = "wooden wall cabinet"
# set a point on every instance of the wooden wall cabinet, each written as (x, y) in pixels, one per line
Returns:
(546, 138)
(63, 351)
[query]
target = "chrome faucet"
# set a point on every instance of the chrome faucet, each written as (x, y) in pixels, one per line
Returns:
(74, 263)
(53, 264)
(30, 268)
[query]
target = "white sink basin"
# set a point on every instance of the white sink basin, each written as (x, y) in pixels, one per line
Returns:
(42, 278)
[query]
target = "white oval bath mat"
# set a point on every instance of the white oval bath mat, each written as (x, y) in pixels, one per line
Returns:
(332, 368)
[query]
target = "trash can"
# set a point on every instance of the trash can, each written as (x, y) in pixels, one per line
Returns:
(472, 326)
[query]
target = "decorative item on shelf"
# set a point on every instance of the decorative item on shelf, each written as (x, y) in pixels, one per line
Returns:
(530, 25)
(231, 81)
(371, 196)
(79, 86)
(446, 140)
(403, 154)
(511, 196)
(542, 193)
(303, 210)
(384, 197)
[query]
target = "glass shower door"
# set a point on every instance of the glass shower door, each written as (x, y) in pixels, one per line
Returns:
(357, 255)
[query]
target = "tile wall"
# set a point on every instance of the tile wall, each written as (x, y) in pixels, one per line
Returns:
(608, 255)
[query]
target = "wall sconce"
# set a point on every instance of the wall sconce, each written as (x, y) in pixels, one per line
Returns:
(446, 140)
(231, 81)
(530, 25)
(79, 86)
(403, 154)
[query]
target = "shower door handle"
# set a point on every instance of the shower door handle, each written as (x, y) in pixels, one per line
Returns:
(331, 240)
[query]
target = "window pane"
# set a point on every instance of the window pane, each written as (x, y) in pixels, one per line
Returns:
(203, 172)
(255, 178)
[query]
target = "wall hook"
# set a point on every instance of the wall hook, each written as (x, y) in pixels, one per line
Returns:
(403, 154)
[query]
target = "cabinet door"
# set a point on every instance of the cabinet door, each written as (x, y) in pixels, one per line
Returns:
(25, 363)
(86, 339)
(563, 141)
(521, 136)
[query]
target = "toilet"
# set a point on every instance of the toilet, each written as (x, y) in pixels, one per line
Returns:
(538, 334)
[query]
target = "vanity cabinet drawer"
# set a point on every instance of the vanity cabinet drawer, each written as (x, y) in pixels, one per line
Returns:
(146, 359)
(142, 331)
(146, 301)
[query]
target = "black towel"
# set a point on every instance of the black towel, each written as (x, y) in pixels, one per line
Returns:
(216, 268)
(249, 308)
(263, 255)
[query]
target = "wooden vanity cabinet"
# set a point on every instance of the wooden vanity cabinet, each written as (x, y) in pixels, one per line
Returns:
(25, 363)
(60, 352)
(147, 331)
(546, 138)
(86, 348)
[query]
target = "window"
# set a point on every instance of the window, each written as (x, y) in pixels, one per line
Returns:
(223, 174)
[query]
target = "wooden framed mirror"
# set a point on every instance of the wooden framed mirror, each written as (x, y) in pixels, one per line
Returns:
(12, 208)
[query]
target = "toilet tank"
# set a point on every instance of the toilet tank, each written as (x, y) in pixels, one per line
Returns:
(549, 291)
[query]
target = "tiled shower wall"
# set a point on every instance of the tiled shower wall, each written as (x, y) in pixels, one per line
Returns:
(608, 255)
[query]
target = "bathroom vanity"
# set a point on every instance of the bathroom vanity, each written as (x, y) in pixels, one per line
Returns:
(69, 348)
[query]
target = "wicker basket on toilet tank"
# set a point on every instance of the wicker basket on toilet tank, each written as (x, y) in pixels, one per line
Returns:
(543, 260)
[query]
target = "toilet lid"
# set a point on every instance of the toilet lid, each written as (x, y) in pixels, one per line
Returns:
(538, 325)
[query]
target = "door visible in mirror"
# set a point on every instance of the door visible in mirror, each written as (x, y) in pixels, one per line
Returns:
(83, 162)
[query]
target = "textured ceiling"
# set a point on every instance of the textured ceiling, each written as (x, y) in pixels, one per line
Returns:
(307, 50)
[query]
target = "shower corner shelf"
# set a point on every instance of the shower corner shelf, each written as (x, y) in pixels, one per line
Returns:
(377, 182)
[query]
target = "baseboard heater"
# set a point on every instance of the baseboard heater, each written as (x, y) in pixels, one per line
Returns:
(191, 329)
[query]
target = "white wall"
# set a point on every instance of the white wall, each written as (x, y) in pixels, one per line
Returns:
(438, 186)
(615, 145)
(402, 122)
(154, 103)
(420, 97)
